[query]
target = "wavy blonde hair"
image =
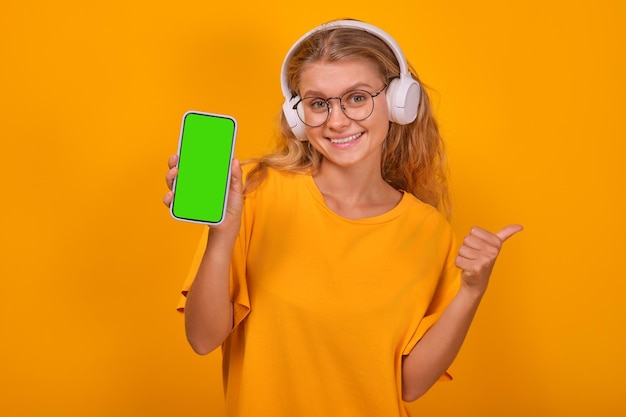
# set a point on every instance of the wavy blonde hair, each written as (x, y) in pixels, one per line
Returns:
(413, 155)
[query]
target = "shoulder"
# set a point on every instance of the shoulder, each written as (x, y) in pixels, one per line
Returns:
(261, 178)
(427, 216)
(417, 205)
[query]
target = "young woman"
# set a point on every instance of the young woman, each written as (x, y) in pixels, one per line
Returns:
(335, 285)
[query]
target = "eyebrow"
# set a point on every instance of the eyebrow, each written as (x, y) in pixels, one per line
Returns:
(357, 86)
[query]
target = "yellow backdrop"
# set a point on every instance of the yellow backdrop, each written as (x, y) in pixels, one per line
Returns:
(530, 96)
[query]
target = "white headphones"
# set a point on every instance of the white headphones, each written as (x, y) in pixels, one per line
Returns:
(403, 94)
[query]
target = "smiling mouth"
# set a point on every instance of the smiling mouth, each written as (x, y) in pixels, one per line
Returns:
(343, 141)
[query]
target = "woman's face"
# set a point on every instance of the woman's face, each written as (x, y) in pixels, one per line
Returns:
(341, 140)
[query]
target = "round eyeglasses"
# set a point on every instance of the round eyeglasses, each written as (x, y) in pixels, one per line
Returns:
(357, 105)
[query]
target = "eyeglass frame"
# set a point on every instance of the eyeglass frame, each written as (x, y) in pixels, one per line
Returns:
(329, 107)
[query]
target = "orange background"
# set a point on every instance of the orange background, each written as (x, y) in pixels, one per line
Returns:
(531, 98)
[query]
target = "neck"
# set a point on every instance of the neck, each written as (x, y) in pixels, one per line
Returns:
(350, 182)
(355, 192)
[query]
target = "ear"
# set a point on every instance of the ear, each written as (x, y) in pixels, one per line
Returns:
(403, 97)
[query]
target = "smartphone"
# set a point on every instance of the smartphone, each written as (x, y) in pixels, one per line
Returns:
(205, 152)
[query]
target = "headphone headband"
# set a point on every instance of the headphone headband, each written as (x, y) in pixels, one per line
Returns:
(356, 24)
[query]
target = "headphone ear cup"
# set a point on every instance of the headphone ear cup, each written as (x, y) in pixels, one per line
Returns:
(296, 125)
(403, 98)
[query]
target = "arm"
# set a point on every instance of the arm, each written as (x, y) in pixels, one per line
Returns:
(434, 353)
(208, 308)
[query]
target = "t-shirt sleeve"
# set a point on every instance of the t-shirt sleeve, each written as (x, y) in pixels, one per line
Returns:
(238, 281)
(193, 268)
(446, 290)
(238, 284)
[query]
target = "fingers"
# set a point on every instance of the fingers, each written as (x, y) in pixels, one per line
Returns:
(235, 198)
(478, 253)
(169, 179)
(234, 206)
(508, 231)
(173, 171)
(478, 245)
(236, 182)
(171, 163)
(480, 239)
(167, 198)
(170, 176)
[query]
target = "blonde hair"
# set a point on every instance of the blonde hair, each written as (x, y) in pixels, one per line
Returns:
(413, 157)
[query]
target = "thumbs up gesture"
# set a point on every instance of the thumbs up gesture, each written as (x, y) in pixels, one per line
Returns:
(478, 253)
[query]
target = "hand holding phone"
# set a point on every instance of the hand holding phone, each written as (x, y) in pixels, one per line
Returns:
(205, 152)
(172, 163)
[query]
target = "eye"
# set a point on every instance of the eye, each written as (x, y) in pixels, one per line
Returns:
(356, 98)
(316, 104)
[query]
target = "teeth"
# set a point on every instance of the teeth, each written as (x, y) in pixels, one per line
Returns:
(345, 140)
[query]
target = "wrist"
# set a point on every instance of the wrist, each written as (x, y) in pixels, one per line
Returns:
(471, 293)
(222, 239)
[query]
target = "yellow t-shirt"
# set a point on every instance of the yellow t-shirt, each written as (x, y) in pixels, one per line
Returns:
(325, 307)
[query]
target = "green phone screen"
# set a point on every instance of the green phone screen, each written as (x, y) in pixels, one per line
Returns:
(205, 151)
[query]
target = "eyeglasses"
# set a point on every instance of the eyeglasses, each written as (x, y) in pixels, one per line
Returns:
(357, 105)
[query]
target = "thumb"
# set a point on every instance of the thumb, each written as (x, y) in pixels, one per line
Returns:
(508, 231)
(236, 174)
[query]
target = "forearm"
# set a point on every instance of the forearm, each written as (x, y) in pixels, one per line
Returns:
(436, 350)
(208, 309)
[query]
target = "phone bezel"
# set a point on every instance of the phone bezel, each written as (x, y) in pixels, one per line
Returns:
(232, 153)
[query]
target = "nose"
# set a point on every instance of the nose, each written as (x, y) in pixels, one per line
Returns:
(336, 116)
